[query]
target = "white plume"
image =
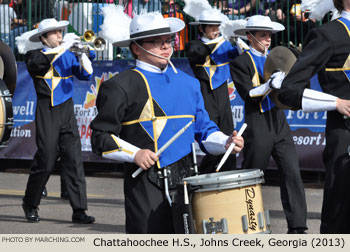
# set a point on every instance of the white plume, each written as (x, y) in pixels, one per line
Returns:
(227, 29)
(195, 7)
(24, 44)
(116, 23)
(318, 8)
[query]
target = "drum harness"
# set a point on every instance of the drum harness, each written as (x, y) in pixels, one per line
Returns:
(155, 176)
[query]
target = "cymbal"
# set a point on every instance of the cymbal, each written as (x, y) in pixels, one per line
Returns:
(9, 73)
(282, 59)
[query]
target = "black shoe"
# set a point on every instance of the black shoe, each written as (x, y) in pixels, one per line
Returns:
(64, 195)
(44, 194)
(297, 231)
(79, 216)
(31, 213)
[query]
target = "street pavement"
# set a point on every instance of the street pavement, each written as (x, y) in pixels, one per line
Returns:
(106, 204)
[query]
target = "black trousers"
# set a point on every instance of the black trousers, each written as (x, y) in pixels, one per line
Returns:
(335, 218)
(56, 129)
(217, 103)
(147, 210)
(269, 134)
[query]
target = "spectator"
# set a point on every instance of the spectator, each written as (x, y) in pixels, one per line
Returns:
(7, 15)
(171, 8)
(273, 9)
(238, 9)
(296, 22)
(147, 5)
(39, 10)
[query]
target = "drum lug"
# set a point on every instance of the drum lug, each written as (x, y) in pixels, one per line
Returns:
(261, 220)
(244, 220)
(5, 94)
(9, 123)
(267, 218)
(214, 227)
(260, 217)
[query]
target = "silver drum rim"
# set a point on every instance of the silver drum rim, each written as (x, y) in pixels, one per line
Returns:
(226, 180)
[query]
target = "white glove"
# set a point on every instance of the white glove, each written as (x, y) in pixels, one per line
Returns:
(262, 90)
(276, 80)
(69, 40)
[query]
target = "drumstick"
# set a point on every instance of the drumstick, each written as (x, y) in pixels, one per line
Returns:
(166, 145)
(194, 158)
(186, 201)
(229, 150)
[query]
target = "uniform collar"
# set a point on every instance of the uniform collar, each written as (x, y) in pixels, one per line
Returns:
(206, 40)
(346, 15)
(148, 67)
(256, 52)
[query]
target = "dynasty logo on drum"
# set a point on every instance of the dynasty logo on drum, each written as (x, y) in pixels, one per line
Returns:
(252, 218)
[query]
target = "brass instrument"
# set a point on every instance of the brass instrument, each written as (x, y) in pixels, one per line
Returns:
(89, 39)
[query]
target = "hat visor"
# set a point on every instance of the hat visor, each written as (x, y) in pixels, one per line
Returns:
(205, 22)
(36, 36)
(175, 25)
(276, 27)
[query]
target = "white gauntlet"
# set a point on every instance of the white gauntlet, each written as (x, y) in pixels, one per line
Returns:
(263, 89)
(86, 63)
(316, 101)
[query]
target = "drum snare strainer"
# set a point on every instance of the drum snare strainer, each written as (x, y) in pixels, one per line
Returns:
(229, 202)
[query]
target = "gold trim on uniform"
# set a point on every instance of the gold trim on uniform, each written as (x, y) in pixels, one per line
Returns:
(117, 150)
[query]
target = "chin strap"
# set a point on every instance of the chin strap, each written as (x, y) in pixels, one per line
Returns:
(46, 42)
(158, 56)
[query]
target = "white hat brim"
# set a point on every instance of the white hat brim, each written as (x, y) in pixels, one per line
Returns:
(36, 36)
(276, 27)
(205, 22)
(175, 26)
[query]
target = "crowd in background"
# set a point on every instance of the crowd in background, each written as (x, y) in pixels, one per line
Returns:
(18, 16)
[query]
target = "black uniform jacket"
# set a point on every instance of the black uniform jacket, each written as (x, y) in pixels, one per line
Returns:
(326, 51)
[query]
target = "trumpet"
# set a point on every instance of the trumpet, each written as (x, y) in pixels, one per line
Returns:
(89, 39)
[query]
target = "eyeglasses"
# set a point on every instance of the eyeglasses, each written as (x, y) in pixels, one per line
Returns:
(160, 42)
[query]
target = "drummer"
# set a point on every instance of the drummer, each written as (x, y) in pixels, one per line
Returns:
(140, 109)
(269, 133)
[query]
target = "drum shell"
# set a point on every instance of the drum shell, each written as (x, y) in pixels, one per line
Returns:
(235, 194)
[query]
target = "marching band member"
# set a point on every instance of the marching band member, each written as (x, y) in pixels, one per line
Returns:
(52, 69)
(210, 52)
(269, 133)
(326, 53)
(140, 109)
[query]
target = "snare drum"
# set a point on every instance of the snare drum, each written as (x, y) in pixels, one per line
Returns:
(229, 202)
(6, 114)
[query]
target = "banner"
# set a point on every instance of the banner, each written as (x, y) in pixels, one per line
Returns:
(307, 128)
